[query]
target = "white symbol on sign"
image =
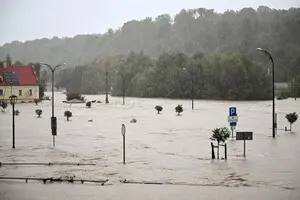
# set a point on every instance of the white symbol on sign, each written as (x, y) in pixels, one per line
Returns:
(232, 119)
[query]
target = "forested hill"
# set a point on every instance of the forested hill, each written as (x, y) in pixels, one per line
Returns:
(190, 31)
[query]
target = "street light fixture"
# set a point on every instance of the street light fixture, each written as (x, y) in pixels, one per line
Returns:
(274, 123)
(123, 86)
(53, 119)
(13, 99)
(192, 79)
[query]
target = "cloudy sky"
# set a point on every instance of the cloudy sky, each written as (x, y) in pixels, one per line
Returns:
(31, 19)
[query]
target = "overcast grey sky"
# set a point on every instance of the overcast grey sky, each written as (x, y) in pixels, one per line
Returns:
(32, 19)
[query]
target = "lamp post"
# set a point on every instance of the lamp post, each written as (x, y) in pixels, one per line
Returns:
(192, 79)
(53, 119)
(13, 99)
(123, 86)
(274, 123)
(106, 87)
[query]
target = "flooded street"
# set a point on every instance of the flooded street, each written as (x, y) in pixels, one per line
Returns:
(163, 148)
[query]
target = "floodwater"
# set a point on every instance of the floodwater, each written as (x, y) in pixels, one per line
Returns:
(163, 148)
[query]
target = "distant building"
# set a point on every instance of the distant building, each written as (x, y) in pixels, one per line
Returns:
(20, 81)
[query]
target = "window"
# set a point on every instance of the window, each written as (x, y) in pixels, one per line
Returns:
(1, 92)
(20, 92)
(30, 92)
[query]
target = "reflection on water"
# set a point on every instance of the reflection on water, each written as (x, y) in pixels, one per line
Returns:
(160, 147)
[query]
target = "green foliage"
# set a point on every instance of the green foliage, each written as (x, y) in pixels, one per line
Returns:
(215, 76)
(189, 31)
(220, 134)
(3, 104)
(88, 104)
(179, 109)
(68, 114)
(294, 85)
(39, 112)
(17, 112)
(158, 108)
(71, 96)
(292, 118)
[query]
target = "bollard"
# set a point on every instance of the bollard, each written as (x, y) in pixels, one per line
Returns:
(212, 151)
(123, 130)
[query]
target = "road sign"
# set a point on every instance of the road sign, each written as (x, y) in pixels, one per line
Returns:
(123, 129)
(232, 124)
(232, 119)
(244, 135)
(232, 111)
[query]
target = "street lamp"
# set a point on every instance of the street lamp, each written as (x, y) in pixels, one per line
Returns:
(123, 86)
(192, 79)
(13, 99)
(274, 123)
(53, 119)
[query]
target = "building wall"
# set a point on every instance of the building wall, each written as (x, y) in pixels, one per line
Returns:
(22, 92)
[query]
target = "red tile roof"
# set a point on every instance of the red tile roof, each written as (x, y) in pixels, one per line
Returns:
(26, 74)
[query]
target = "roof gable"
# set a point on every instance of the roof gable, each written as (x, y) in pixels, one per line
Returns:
(25, 74)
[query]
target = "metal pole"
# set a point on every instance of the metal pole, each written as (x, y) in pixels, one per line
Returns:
(124, 150)
(52, 70)
(192, 92)
(274, 124)
(106, 89)
(225, 146)
(13, 125)
(244, 148)
(123, 88)
(273, 77)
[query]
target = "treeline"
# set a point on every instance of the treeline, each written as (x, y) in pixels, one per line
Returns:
(172, 75)
(189, 31)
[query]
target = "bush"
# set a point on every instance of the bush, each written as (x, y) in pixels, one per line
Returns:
(3, 105)
(159, 109)
(292, 118)
(17, 112)
(88, 104)
(71, 96)
(179, 109)
(38, 112)
(68, 114)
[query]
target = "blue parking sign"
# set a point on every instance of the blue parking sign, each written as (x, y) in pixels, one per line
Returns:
(232, 111)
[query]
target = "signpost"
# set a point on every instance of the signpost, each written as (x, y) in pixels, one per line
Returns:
(232, 119)
(123, 131)
(244, 136)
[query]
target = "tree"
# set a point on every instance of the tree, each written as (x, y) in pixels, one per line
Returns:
(3, 105)
(220, 135)
(68, 114)
(88, 104)
(292, 118)
(159, 109)
(8, 60)
(179, 109)
(39, 112)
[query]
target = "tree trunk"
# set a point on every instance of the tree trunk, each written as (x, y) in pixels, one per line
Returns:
(290, 126)
(67, 118)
